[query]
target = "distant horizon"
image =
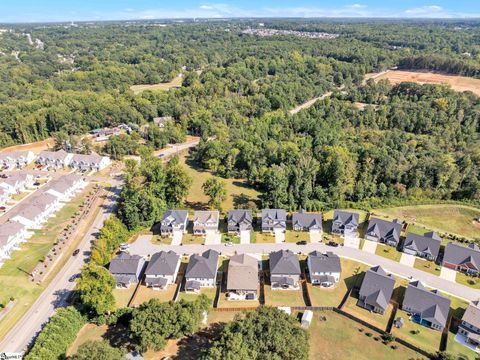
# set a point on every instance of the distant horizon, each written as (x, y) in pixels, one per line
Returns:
(60, 11)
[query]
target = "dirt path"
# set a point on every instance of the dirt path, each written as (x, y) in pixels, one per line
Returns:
(310, 102)
(36, 147)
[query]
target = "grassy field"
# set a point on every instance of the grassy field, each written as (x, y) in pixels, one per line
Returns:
(426, 339)
(262, 238)
(14, 274)
(388, 252)
(87, 333)
(238, 192)
(123, 296)
(458, 350)
(378, 320)
(145, 293)
(175, 83)
(294, 236)
(209, 292)
(341, 338)
(454, 219)
(283, 297)
(467, 280)
(427, 266)
(351, 275)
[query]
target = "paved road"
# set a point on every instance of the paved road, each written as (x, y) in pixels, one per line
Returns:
(146, 248)
(176, 148)
(57, 292)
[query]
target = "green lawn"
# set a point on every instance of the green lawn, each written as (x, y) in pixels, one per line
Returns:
(262, 238)
(87, 332)
(388, 252)
(209, 292)
(341, 338)
(428, 266)
(175, 83)
(466, 280)
(457, 349)
(454, 219)
(294, 236)
(283, 297)
(14, 273)
(123, 296)
(426, 339)
(352, 273)
(144, 294)
(378, 320)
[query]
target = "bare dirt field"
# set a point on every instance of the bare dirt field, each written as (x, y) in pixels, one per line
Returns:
(175, 83)
(36, 147)
(458, 83)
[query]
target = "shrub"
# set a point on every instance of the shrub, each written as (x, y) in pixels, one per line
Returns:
(369, 334)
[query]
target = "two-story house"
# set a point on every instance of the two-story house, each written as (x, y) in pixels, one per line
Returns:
(12, 234)
(284, 270)
(54, 159)
(426, 246)
(162, 269)
(242, 278)
(324, 269)
(345, 223)
(205, 221)
(274, 220)
(90, 162)
(201, 271)
(127, 269)
(387, 232)
(376, 290)
(239, 220)
(302, 221)
(174, 221)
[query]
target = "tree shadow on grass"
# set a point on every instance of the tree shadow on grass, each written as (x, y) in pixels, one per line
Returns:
(190, 347)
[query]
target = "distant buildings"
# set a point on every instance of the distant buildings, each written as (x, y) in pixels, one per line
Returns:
(265, 32)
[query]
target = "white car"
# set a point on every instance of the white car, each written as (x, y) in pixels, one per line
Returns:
(229, 244)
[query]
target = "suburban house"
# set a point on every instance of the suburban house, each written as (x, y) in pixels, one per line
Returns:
(242, 278)
(469, 328)
(65, 187)
(345, 223)
(376, 290)
(383, 231)
(205, 221)
(201, 271)
(35, 212)
(54, 159)
(16, 159)
(91, 162)
(11, 235)
(239, 220)
(16, 183)
(284, 270)
(426, 246)
(428, 308)
(162, 269)
(174, 220)
(462, 258)
(126, 269)
(303, 221)
(324, 269)
(274, 220)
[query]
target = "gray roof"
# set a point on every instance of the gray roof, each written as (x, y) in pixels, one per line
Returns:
(284, 262)
(240, 216)
(242, 273)
(472, 314)
(92, 158)
(163, 263)
(174, 217)
(462, 255)
(11, 228)
(53, 155)
(203, 266)
(125, 264)
(274, 214)
(385, 229)
(423, 243)
(307, 220)
(377, 287)
(431, 305)
(345, 217)
(320, 263)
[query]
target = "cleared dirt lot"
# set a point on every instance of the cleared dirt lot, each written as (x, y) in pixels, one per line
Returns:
(458, 83)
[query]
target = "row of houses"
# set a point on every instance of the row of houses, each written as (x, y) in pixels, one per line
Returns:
(35, 210)
(83, 162)
(14, 183)
(16, 159)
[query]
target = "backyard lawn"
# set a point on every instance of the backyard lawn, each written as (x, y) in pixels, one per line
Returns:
(145, 293)
(283, 297)
(427, 266)
(223, 302)
(388, 252)
(375, 319)
(209, 292)
(458, 350)
(454, 219)
(352, 273)
(426, 339)
(342, 338)
(466, 280)
(87, 332)
(123, 296)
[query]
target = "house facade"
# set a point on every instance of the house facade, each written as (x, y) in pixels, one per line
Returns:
(324, 269)
(205, 221)
(162, 270)
(284, 270)
(239, 220)
(387, 232)
(201, 271)
(54, 159)
(91, 162)
(302, 221)
(12, 234)
(126, 269)
(376, 290)
(16, 159)
(426, 246)
(462, 258)
(428, 308)
(345, 223)
(242, 278)
(65, 187)
(174, 220)
(469, 328)
(274, 220)
(37, 210)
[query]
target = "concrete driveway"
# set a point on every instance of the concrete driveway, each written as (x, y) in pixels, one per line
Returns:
(177, 237)
(370, 246)
(407, 259)
(351, 241)
(279, 236)
(245, 237)
(448, 274)
(213, 237)
(315, 236)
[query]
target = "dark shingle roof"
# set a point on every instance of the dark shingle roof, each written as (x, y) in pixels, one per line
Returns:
(306, 220)
(284, 262)
(423, 243)
(125, 264)
(175, 217)
(383, 229)
(345, 217)
(377, 287)
(457, 254)
(202, 266)
(163, 263)
(240, 216)
(274, 214)
(320, 263)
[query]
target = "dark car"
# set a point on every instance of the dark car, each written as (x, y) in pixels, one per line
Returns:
(303, 242)
(76, 252)
(74, 277)
(332, 243)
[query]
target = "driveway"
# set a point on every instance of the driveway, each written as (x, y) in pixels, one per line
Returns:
(279, 236)
(144, 238)
(370, 246)
(351, 241)
(213, 237)
(407, 259)
(448, 274)
(245, 237)
(315, 236)
(177, 237)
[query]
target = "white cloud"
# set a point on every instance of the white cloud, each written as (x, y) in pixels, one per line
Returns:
(424, 10)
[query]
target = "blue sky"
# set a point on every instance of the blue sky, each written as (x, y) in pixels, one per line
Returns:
(76, 10)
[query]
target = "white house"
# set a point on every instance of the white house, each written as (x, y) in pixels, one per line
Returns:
(16, 159)
(324, 269)
(162, 269)
(92, 162)
(65, 187)
(11, 235)
(54, 159)
(37, 211)
(17, 183)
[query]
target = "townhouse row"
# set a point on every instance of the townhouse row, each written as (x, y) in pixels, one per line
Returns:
(14, 183)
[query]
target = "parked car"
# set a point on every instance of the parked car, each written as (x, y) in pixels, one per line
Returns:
(74, 277)
(3, 209)
(229, 244)
(332, 243)
(36, 183)
(76, 252)
(302, 242)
